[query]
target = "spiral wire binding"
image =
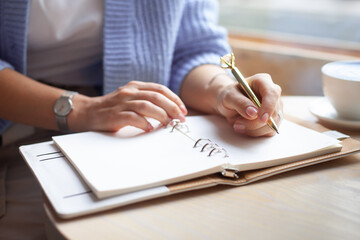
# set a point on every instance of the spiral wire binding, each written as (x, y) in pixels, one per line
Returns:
(199, 140)
(212, 147)
(176, 123)
(209, 145)
(218, 150)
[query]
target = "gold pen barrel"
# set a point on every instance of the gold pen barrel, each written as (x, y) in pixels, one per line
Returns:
(272, 125)
(245, 86)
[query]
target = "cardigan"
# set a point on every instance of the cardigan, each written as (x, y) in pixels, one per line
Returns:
(153, 41)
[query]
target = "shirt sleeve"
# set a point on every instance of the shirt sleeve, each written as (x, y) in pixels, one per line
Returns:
(200, 40)
(4, 64)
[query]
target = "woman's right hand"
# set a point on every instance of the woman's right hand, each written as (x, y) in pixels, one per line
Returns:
(130, 104)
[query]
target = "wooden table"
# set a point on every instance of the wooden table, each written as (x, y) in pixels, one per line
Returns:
(317, 202)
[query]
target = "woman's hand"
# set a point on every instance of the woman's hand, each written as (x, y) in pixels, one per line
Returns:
(243, 114)
(128, 105)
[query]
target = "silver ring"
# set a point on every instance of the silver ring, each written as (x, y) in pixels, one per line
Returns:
(281, 116)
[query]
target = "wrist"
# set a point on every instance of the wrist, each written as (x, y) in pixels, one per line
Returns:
(79, 119)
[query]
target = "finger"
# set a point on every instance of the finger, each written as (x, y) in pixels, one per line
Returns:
(278, 114)
(242, 125)
(256, 127)
(236, 101)
(268, 92)
(164, 91)
(264, 131)
(269, 102)
(147, 109)
(170, 107)
(253, 130)
(126, 118)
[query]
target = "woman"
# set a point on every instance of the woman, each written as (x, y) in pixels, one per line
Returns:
(123, 61)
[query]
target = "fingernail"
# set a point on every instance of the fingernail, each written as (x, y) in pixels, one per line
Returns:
(183, 109)
(181, 118)
(239, 128)
(251, 112)
(265, 117)
(149, 127)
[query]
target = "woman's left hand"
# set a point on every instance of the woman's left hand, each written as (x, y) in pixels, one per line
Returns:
(243, 114)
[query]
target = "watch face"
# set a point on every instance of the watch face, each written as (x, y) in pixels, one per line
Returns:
(63, 106)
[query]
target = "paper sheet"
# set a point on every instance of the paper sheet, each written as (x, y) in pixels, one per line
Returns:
(116, 163)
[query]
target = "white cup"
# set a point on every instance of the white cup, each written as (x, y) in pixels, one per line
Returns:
(341, 85)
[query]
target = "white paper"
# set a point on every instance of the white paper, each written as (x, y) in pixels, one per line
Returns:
(122, 162)
(294, 142)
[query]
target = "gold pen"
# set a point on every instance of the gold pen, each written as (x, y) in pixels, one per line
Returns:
(244, 85)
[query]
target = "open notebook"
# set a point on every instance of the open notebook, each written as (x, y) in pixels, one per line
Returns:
(70, 196)
(129, 160)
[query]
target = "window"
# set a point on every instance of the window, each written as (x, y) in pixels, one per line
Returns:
(332, 23)
(302, 35)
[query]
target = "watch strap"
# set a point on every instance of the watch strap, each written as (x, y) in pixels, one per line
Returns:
(61, 122)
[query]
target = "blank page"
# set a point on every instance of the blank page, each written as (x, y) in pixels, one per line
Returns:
(130, 160)
(293, 142)
(121, 162)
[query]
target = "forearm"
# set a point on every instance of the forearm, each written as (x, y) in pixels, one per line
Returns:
(27, 101)
(202, 86)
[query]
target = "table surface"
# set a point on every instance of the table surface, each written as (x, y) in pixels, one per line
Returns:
(316, 202)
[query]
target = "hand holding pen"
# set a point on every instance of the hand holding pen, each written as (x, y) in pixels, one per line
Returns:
(255, 112)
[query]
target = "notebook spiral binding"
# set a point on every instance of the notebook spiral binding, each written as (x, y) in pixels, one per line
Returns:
(177, 124)
(210, 146)
(213, 149)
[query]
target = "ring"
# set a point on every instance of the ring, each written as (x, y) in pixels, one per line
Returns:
(281, 116)
(199, 140)
(209, 145)
(218, 150)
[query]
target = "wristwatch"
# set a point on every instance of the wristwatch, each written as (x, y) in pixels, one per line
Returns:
(62, 108)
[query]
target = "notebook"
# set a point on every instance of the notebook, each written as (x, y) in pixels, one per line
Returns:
(70, 196)
(131, 160)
